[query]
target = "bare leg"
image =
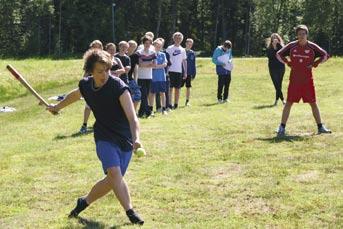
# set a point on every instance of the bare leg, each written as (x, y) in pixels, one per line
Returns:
(170, 95)
(151, 99)
(176, 95)
(286, 111)
(316, 112)
(136, 105)
(119, 186)
(101, 188)
(163, 99)
(188, 93)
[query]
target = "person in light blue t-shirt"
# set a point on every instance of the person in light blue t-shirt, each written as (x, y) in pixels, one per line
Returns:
(159, 85)
(224, 75)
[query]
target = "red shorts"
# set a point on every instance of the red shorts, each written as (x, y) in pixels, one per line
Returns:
(306, 92)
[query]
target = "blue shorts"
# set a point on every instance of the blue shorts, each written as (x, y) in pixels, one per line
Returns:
(135, 91)
(111, 155)
(158, 87)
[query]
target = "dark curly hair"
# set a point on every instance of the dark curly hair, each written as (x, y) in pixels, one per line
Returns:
(93, 56)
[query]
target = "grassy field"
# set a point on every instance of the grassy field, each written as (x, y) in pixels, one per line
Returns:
(208, 165)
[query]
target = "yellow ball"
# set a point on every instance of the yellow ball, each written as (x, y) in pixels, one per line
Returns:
(140, 152)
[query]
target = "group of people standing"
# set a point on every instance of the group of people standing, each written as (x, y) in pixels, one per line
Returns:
(153, 74)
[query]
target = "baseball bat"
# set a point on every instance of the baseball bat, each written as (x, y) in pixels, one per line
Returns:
(22, 80)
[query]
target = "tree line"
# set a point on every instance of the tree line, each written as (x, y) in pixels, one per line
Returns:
(63, 28)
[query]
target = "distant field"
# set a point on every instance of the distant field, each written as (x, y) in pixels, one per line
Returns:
(208, 165)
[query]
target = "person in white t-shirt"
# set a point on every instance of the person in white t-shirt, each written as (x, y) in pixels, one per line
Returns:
(147, 60)
(178, 59)
(147, 34)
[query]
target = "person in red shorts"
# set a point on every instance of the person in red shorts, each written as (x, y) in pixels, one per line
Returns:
(301, 56)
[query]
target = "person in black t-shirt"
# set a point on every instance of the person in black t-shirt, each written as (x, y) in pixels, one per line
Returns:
(116, 129)
(133, 76)
(125, 60)
(276, 68)
(117, 67)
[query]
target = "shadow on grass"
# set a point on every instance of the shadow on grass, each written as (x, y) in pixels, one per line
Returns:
(210, 104)
(260, 107)
(88, 223)
(74, 135)
(287, 138)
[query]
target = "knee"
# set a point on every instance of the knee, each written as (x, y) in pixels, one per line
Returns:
(114, 175)
(289, 104)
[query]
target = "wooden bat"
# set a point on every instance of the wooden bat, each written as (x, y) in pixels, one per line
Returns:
(22, 80)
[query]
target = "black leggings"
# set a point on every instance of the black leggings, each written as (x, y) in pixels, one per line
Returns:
(223, 82)
(276, 75)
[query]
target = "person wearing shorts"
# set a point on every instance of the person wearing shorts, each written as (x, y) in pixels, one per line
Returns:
(158, 85)
(116, 129)
(178, 59)
(303, 56)
(133, 76)
(191, 69)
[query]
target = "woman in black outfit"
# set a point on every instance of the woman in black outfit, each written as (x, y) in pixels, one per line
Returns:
(276, 68)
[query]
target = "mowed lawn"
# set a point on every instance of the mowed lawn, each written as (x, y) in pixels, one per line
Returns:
(208, 165)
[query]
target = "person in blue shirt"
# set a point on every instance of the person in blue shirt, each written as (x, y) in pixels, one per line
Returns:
(224, 74)
(191, 69)
(116, 129)
(158, 85)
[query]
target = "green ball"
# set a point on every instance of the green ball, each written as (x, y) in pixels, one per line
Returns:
(140, 152)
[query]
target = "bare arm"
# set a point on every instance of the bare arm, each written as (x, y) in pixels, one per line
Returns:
(121, 69)
(127, 105)
(184, 64)
(135, 73)
(72, 97)
(127, 69)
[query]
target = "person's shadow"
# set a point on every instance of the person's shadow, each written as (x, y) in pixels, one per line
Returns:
(210, 104)
(74, 135)
(88, 224)
(260, 107)
(286, 138)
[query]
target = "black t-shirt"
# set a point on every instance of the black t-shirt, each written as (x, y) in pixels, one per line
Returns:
(111, 123)
(125, 61)
(273, 62)
(168, 61)
(134, 61)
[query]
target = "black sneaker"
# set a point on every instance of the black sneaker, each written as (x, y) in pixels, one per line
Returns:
(81, 205)
(324, 130)
(134, 217)
(281, 131)
(83, 129)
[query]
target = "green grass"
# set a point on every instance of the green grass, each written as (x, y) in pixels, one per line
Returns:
(208, 165)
